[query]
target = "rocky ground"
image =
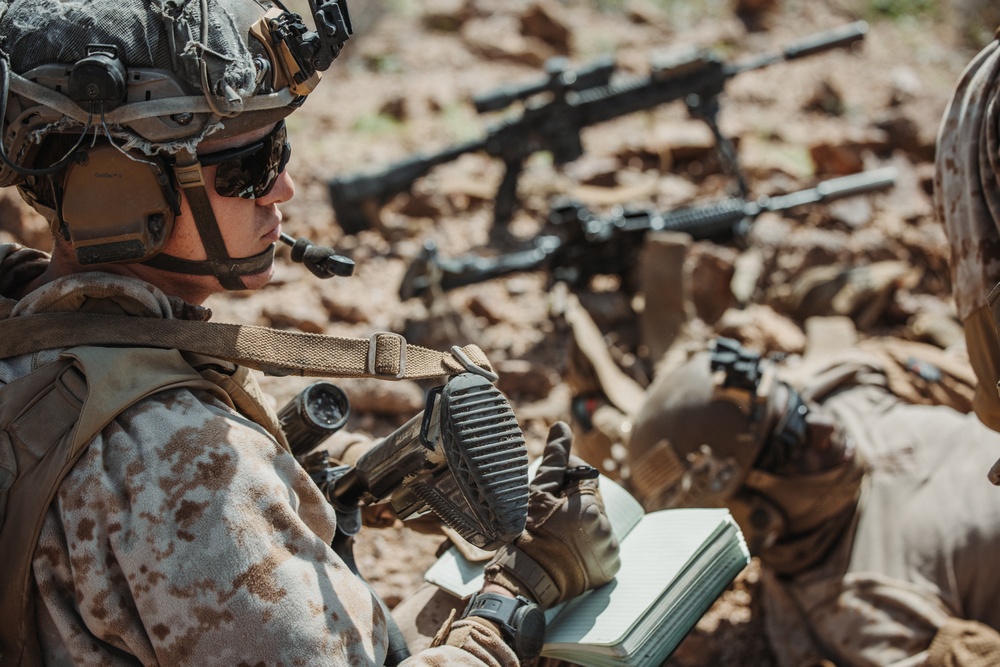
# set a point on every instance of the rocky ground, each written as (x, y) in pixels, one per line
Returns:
(403, 85)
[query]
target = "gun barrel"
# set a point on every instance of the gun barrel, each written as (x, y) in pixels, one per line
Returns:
(835, 188)
(842, 36)
(865, 181)
(845, 35)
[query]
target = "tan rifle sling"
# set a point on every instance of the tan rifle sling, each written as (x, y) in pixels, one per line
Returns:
(276, 352)
(47, 420)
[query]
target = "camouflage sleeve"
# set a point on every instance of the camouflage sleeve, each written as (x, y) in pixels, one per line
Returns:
(185, 534)
(966, 186)
(857, 619)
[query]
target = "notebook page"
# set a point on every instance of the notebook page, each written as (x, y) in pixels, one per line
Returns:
(653, 554)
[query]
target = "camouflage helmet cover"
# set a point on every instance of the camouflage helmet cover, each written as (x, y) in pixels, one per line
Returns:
(186, 78)
(112, 97)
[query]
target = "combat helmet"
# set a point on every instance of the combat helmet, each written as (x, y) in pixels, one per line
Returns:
(701, 427)
(107, 100)
(720, 429)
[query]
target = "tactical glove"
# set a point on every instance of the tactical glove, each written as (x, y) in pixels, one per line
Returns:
(567, 547)
(964, 642)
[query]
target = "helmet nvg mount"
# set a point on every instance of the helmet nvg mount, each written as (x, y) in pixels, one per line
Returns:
(106, 102)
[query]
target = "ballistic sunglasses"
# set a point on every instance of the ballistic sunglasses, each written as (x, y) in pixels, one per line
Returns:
(249, 172)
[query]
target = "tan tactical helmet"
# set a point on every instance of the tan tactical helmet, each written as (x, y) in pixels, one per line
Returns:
(720, 429)
(106, 101)
(701, 427)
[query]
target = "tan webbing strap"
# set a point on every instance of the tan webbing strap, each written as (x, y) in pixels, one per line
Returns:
(515, 569)
(31, 496)
(275, 352)
(624, 393)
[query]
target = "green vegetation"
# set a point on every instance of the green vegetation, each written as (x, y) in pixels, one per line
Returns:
(897, 9)
(380, 124)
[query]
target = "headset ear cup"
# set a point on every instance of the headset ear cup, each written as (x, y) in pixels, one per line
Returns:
(117, 206)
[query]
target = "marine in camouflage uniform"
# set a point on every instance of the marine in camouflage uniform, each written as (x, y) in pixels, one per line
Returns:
(186, 533)
(872, 517)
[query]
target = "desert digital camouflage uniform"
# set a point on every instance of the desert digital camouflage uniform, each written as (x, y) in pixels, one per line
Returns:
(912, 581)
(967, 199)
(187, 535)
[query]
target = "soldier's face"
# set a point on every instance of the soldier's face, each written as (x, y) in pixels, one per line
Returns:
(248, 226)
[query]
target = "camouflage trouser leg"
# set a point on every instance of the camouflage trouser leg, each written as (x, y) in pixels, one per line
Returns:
(984, 354)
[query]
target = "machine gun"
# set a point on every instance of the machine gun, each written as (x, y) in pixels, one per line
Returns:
(585, 244)
(557, 108)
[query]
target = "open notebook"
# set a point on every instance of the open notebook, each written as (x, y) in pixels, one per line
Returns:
(675, 563)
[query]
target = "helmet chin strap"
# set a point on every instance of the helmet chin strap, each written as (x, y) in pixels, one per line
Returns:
(227, 270)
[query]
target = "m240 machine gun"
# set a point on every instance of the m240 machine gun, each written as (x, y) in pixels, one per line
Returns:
(585, 244)
(557, 108)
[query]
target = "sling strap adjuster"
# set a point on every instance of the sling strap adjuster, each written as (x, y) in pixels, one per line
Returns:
(378, 366)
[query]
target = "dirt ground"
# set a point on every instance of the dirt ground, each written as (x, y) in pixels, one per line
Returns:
(404, 84)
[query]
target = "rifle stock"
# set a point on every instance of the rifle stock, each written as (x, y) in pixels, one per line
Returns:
(588, 244)
(462, 457)
(579, 98)
(355, 196)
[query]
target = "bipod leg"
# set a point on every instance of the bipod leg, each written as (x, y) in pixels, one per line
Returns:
(506, 199)
(708, 111)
